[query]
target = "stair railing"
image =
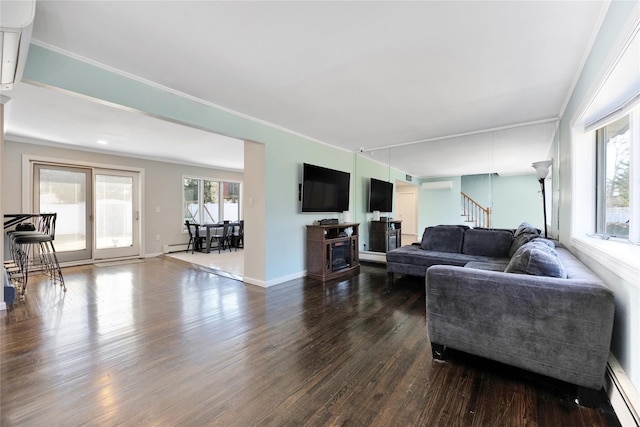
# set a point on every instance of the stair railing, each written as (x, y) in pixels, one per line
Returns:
(475, 212)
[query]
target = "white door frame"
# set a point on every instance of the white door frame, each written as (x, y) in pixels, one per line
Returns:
(73, 255)
(27, 185)
(118, 252)
(406, 188)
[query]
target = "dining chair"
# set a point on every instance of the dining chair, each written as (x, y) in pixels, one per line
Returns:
(237, 235)
(222, 235)
(195, 239)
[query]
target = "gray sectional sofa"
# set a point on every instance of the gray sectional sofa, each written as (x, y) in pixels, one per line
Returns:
(513, 297)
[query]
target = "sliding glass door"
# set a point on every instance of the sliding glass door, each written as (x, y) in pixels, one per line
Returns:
(98, 210)
(67, 192)
(116, 214)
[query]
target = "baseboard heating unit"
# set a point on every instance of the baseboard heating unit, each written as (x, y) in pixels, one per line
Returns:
(622, 394)
(175, 247)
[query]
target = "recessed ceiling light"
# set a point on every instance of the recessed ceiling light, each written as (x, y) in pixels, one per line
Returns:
(102, 142)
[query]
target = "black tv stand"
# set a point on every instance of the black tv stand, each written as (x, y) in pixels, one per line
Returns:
(385, 235)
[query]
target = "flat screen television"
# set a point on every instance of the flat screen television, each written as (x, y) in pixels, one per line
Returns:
(324, 189)
(380, 196)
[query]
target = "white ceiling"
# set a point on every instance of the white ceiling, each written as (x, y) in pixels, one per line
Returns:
(54, 117)
(350, 74)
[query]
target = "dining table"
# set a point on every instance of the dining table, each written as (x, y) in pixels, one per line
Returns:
(216, 225)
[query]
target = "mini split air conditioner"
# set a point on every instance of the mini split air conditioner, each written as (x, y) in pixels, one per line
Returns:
(437, 185)
(16, 23)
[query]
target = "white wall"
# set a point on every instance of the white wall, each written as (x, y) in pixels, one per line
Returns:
(254, 202)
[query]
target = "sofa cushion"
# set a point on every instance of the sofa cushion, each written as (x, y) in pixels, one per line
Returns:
(520, 240)
(547, 242)
(498, 265)
(414, 255)
(536, 258)
(443, 239)
(526, 228)
(491, 243)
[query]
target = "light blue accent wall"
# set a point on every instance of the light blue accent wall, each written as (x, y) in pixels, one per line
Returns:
(55, 69)
(512, 199)
(286, 225)
(437, 207)
(479, 188)
(365, 169)
(516, 199)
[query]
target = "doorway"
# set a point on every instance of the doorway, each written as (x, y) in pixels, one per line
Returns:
(407, 211)
(98, 210)
(116, 214)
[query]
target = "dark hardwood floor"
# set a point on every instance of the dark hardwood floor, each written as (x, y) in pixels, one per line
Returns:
(160, 343)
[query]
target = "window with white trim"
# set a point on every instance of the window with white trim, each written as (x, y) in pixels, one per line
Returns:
(207, 201)
(613, 149)
(617, 201)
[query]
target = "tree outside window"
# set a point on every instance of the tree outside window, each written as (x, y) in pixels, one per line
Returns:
(231, 200)
(191, 191)
(614, 145)
(210, 207)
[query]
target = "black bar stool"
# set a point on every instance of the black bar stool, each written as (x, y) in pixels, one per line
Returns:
(26, 246)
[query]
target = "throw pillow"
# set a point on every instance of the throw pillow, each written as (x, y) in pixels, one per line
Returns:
(526, 228)
(538, 259)
(526, 238)
(520, 240)
(547, 242)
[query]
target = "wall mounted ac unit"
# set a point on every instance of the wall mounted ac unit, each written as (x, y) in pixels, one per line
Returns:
(16, 23)
(437, 185)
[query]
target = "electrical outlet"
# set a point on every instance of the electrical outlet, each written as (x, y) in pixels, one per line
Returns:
(157, 237)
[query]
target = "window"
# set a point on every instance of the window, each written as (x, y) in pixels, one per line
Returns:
(201, 201)
(231, 197)
(613, 155)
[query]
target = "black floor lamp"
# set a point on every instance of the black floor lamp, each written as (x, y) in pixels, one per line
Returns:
(542, 170)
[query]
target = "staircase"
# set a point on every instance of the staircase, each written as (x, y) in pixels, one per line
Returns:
(473, 214)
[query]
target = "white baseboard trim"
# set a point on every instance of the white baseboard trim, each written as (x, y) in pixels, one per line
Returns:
(274, 282)
(623, 396)
(255, 282)
(157, 254)
(174, 247)
(283, 279)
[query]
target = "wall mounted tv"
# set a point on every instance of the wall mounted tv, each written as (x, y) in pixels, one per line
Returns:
(324, 190)
(380, 196)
